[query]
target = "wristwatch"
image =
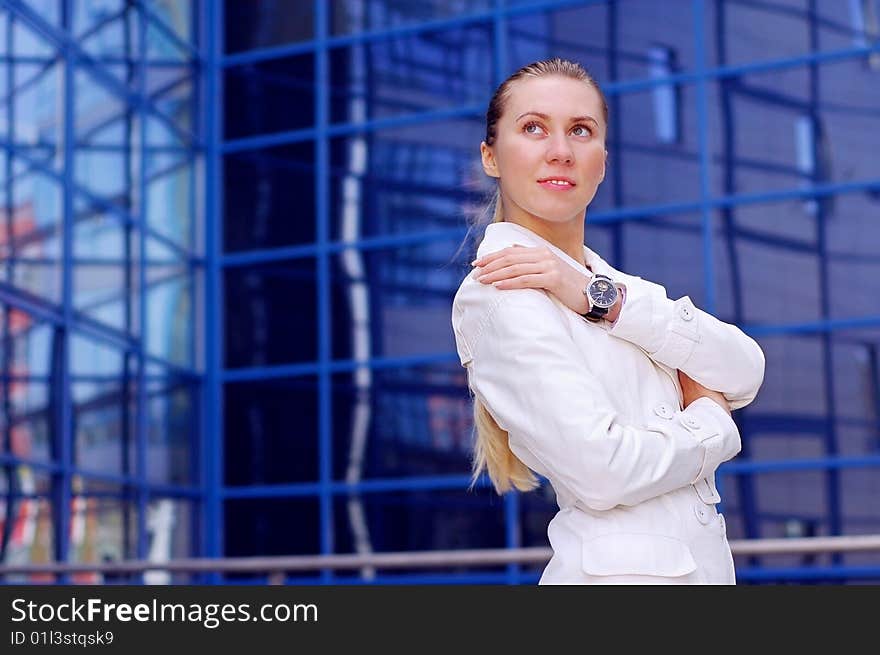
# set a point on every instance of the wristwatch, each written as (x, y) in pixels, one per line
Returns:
(601, 293)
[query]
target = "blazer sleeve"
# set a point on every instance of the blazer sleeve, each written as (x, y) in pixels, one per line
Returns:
(718, 355)
(525, 367)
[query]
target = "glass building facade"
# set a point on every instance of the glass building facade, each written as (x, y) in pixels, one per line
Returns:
(231, 233)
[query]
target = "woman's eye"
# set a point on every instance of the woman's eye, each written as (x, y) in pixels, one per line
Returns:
(528, 129)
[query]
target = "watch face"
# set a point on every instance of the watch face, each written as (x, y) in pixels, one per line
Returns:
(602, 293)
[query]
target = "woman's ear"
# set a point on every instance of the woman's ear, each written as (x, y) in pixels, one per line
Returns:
(490, 167)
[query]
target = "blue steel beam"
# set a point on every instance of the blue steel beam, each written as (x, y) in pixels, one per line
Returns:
(632, 213)
(333, 42)
(325, 317)
(62, 480)
(243, 374)
(477, 110)
(832, 490)
(460, 482)
(124, 217)
(156, 489)
(83, 325)
(512, 527)
(212, 435)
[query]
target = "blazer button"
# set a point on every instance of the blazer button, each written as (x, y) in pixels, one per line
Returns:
(663, 410)
(702, 513)
(685, 312)
(691, 422)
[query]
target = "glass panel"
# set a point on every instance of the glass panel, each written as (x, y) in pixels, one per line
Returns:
(650, 171)
(860, 511)
(169, 529)
(34, 253)
(108, 527)
(249, 25)
(32, 538)
(38, 105)
(392, 422)
(27, 43)
(170, 203)
(779, 138)
(420, 520)
(652, 247)
(171, 92)
(101, 118)
(407, 180)
(107, 31)
(395, 302)
(161, 45)
(269, 197)
(352, 16)
(177, 15)
(758, 31)
(103, 421)
(264, 443)
(25, 364)
(762, 238)
(269, 96)
(408, 75)
(105, 269)
(794, 383)
(256, 532)
(169, 305)
(164, 133)
(171, 458)
(273, 302)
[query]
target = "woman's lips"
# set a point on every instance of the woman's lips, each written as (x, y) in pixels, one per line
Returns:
(556, 187)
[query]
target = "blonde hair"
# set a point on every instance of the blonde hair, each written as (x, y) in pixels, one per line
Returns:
(491, 449)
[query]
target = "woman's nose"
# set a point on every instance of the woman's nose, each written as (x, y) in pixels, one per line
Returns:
(559, 150)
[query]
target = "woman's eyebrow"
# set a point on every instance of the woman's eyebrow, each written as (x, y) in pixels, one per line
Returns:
(573, 119)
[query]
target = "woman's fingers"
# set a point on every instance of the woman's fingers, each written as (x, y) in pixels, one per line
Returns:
(511, 271)
(515, 249)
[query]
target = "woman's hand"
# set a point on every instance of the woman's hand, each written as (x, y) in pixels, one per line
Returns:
(691, 390)
(535, 267)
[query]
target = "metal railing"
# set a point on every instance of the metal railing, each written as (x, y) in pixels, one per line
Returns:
(425, 559)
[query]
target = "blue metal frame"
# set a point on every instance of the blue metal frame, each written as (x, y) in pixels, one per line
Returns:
(700, 77)
(205, 52)
(68, 321)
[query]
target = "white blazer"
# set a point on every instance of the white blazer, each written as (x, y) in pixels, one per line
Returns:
(596, 409)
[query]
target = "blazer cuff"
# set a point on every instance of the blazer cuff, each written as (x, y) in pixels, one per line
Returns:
(716, 431)
(644, 317)
(668, 330)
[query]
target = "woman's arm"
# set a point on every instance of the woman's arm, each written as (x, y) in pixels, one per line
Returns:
(717, 355)
(525, 367)
(677, 333)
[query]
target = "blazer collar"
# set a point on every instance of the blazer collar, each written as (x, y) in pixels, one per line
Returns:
(501, 235)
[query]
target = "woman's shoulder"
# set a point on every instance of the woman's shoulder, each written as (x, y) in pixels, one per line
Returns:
(480, 308)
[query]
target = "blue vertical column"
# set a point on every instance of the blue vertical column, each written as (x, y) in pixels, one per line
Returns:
(322, 216)
(512, 528)
(703, 80)
(143, 409)
(212, 391)
(196, 424)
(63, 486)
(818, 176)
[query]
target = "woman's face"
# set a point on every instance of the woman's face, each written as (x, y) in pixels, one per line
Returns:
(552, 127)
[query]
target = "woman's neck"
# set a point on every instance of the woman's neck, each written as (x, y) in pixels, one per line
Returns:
(568, 236)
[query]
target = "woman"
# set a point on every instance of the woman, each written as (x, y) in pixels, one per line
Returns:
(591, 377)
